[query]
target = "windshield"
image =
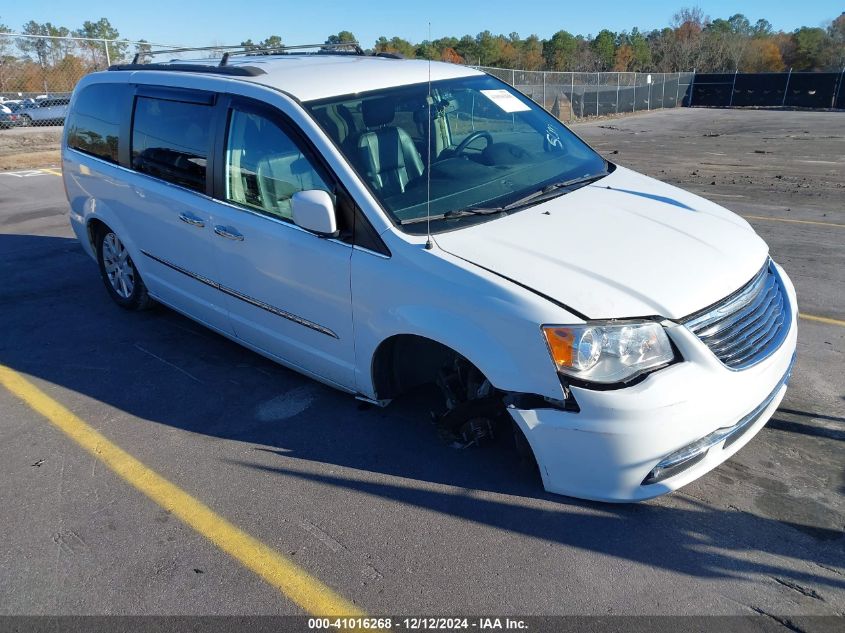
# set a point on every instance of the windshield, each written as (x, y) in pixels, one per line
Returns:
(490, 147)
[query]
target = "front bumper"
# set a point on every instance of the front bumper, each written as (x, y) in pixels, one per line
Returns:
(610, 449)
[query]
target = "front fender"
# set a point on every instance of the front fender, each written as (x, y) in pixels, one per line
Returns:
(491, 322)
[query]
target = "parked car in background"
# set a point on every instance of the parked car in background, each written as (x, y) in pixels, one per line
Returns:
(50, 111)
(8, 117)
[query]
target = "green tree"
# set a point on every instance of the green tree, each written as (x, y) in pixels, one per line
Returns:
(467, 48)
(559, 51)
(488, 48)
(47, 50)
(395, 45)
(274, 41)
(836, 32)
(340, 38)
(427, 50)
(762, 28)
(604, 46)
(812, 48)
(99, 33)
(642, 51)
(531, 53)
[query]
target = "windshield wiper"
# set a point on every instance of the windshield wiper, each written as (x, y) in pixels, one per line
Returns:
(535, 197)
(450, 215)
(539, 195)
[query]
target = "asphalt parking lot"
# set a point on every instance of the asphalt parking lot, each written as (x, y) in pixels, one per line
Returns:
(369, 501)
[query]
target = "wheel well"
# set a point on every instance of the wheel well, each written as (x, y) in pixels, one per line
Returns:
(405, 361)
(95, 227)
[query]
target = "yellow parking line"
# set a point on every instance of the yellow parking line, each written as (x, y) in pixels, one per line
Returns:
(821, 319)
(52, 172)
(790, 220)
(294, 582)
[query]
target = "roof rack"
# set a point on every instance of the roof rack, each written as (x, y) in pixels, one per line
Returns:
(351, 48)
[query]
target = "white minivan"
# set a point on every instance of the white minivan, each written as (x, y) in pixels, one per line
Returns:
(380, 224)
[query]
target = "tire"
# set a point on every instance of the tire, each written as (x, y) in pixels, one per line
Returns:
(25, 121)
(120, 277)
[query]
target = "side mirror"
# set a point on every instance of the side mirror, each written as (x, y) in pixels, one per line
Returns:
(313, 210)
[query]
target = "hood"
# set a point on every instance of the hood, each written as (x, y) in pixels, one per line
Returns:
(625, 246)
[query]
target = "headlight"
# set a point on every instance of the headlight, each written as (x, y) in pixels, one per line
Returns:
(608, 352)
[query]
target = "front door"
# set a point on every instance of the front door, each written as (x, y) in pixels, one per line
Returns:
(287, 289)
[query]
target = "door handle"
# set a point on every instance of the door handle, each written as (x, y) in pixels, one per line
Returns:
(193, 220)
(229, 233)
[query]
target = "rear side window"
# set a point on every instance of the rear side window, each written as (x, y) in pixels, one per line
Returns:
(94, 124)
(170, 140)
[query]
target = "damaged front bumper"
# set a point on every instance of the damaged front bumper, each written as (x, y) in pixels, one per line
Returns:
(651, 438)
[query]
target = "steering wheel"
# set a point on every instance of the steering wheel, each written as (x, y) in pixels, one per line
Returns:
(471, 138)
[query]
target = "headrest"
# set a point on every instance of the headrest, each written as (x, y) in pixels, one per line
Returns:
(379, 111)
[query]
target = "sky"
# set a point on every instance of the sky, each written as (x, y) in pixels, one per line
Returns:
(205, 22)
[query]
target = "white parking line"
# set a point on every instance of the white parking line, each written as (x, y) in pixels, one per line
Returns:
(27, 173)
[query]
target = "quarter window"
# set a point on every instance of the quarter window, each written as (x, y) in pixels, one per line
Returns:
(170, 140)
(94, 124)
(264, 167)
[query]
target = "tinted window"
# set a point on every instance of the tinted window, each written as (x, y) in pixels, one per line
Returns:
(264, 167)
(94, 124)
(170, 140)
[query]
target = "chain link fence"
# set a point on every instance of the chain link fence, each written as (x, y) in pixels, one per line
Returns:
(38, 73)
(574, 95)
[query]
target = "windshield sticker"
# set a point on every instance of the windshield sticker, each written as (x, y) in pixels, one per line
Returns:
(552, 138)
(505, 100)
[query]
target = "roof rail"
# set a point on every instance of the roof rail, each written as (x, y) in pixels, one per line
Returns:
(235, 71)
(351, 48)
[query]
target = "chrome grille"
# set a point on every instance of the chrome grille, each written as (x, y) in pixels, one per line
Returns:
(749, 325)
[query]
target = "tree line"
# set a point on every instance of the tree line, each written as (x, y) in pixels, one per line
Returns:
(690, 41)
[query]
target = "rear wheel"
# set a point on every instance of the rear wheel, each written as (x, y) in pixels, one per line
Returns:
(121, 278)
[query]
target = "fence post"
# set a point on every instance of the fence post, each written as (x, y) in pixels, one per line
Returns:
(572, 97)
(788, 77)
(513, 77)
(598, 79)
(733, 87)
(648, 103)
(677, 89)
(617, 93)
(634, 100)
(544, 90)
(663, 98)
(108, 57)
(838, 88)
(691, 85)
